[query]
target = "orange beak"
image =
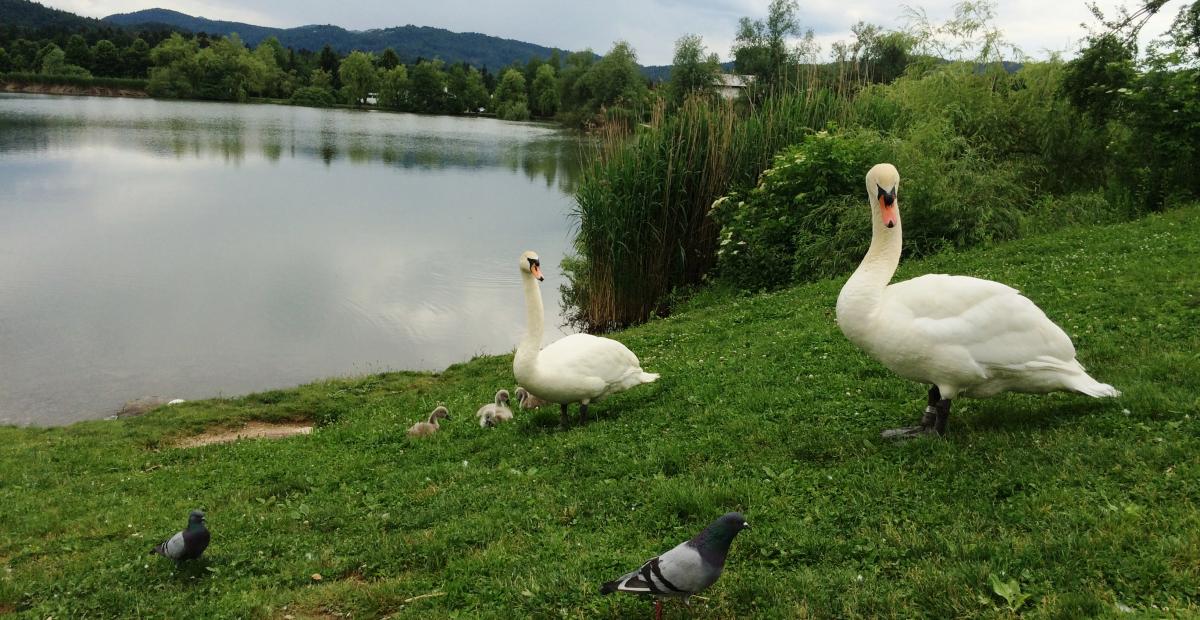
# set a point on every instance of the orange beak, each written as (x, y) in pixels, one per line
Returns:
(890, 213)
(537, 272)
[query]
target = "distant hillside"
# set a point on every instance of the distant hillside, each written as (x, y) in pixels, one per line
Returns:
(32, 15)
(410, 42)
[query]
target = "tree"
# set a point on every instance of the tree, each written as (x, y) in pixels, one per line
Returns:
(692, 71)
(107, 60)
(78, 53)
(389, 59)
(393, 88)
(760, 47)
(175, 70)
(615, 80)
(357, 72)
(545, 91)
(427, 86)
(24, 53)
(321, 78)
(136, 58)
(466, 88)
(328, 62)
(271, 57)
(5, 61)
(511, 102)
(54, 62)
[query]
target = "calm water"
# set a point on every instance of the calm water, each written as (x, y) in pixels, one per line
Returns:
(188, 250)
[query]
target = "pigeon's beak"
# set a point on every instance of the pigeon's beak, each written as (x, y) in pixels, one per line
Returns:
(745, 525)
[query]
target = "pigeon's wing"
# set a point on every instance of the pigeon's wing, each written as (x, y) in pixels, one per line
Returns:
(678, 572)
(172, 548)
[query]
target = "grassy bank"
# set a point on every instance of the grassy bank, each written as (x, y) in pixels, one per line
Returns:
(763, 406)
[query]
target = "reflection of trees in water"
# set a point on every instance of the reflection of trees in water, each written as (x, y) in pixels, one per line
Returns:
(554, 159)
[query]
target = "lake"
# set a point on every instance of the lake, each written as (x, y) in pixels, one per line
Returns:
(192, 250)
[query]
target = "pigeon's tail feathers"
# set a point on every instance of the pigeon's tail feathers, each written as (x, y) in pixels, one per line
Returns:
(610, 587)
(159, 549)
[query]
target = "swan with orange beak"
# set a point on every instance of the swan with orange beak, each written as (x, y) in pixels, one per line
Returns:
(960, 335)
(580, 368)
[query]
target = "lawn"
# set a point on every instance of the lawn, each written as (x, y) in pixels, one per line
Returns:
(1040, 506)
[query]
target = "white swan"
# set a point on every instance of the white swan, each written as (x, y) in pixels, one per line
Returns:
(962, 335)
(579, 368)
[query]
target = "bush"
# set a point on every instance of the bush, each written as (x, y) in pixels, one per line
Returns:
(772, 231)
(314, 96)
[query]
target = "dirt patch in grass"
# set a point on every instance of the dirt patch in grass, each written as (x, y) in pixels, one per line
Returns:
(252, 430)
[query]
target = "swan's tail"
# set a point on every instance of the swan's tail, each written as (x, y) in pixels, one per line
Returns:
(648, 377)
(1095, 389)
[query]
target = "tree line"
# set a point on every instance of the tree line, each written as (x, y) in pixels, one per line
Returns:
(579, 88)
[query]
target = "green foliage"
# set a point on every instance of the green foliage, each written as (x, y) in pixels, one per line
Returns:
(73, 80)
(467, 90)
(5, 61)
(644, 228)
(1009, 590)
(107, 60)
(315, 96)
(786, 224)
(389, 59)
(615, 81)
(763, 407)
(393, 88)
(692, 72)
(54, 63)
(427, 87)
(358, 76)
(511, 102)
(760, 47)
(78, 53)
(544, 91)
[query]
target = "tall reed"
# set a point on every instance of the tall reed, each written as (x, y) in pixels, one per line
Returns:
(644, 198)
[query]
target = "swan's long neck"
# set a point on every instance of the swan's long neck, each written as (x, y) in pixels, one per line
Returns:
(527, 349)
(861, 295)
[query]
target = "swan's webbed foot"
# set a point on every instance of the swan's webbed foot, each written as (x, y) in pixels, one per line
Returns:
(933, 422)
(908, 432)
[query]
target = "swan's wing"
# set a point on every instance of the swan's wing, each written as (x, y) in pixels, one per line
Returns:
(590, 356)
(994, 323)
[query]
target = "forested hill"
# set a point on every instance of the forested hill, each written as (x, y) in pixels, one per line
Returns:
(34, 16)
(410, 42)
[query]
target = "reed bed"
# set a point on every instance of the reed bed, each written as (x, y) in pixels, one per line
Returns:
(643, 200)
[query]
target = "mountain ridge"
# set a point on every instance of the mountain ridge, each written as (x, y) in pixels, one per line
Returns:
(409, 41)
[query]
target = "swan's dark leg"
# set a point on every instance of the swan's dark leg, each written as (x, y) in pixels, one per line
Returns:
(943, 415)
(929, 420)
(562, 418)
(582, 414)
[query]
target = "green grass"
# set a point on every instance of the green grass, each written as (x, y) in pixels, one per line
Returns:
(763, 407)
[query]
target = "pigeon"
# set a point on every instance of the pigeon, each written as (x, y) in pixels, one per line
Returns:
(188, 544)
(685, 570)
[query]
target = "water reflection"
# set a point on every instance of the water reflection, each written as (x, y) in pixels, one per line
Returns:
(190, 249)
(186, 129)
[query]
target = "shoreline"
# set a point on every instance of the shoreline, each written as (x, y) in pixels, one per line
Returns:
(29, 88)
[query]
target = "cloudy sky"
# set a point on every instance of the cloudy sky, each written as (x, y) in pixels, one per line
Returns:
(1036, 26)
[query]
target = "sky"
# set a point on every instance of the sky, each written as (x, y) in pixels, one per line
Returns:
(1038, 27)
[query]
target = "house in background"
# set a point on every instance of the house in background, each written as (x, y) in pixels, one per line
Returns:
(731, 85)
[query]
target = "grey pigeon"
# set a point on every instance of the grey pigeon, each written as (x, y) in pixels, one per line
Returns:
(685, 570)
(188, 544)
